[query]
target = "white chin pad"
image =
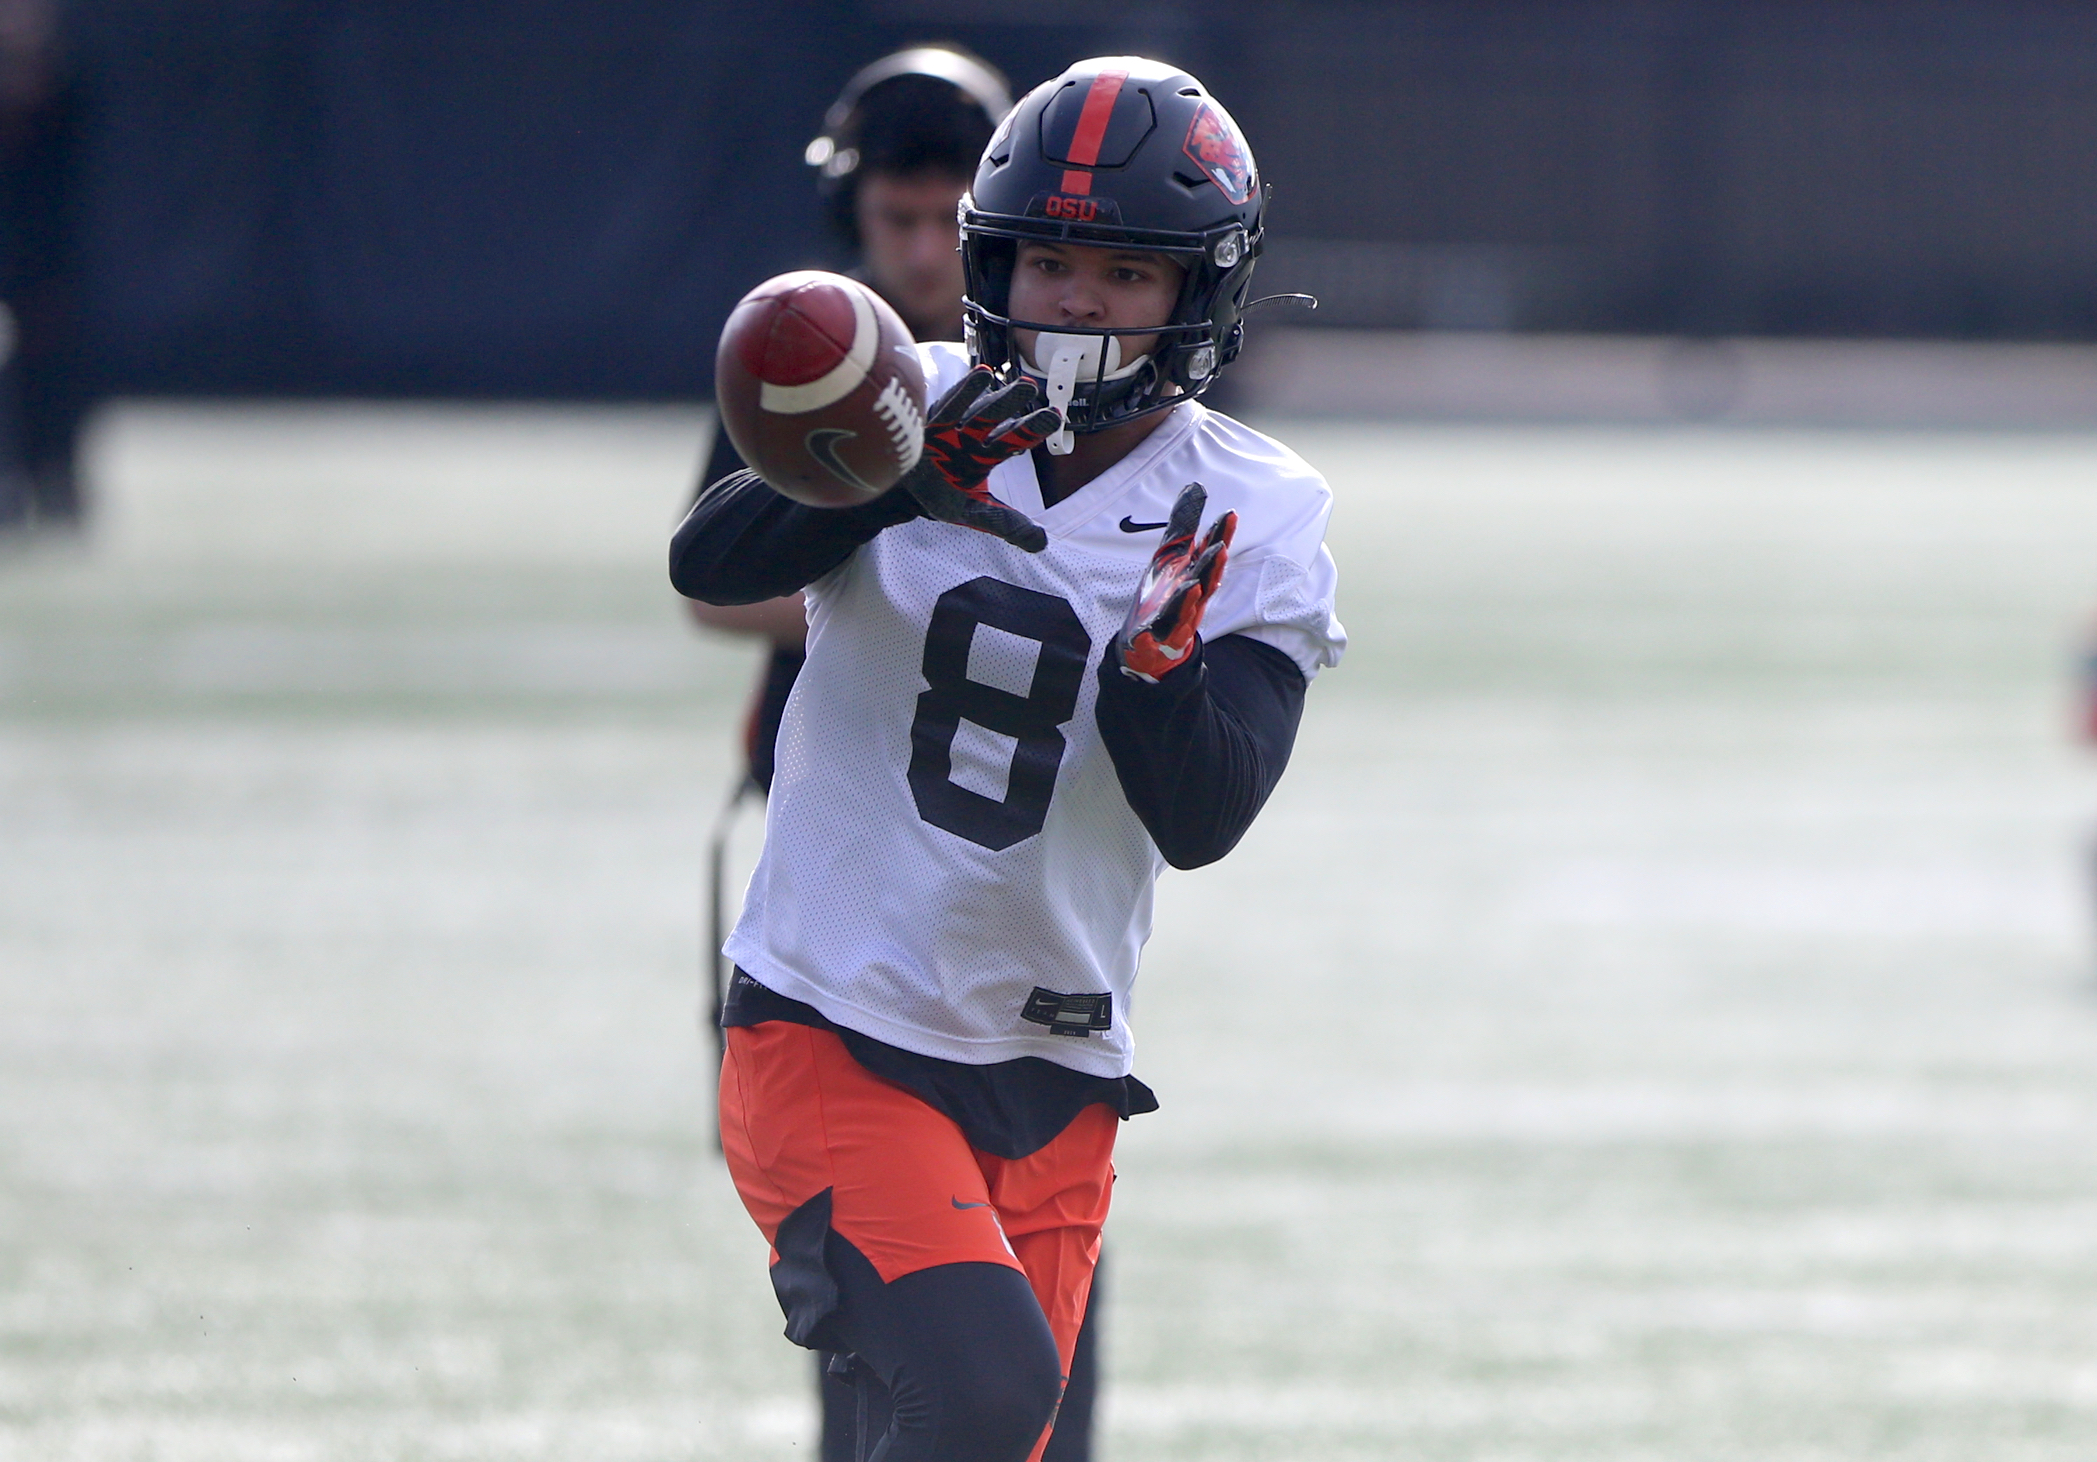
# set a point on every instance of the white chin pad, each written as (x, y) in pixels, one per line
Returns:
(1060, 359)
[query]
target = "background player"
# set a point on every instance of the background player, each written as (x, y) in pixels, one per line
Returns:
(896, 153)
(999, 740)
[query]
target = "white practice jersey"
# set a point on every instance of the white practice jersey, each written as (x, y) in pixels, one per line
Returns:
(946, 837)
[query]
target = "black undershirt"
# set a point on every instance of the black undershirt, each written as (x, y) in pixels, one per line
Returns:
(1008, 1109)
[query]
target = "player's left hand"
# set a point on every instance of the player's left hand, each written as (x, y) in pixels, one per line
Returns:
(1162, 623)
(968, 432)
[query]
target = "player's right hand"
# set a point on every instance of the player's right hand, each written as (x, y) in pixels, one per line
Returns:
(969, 431)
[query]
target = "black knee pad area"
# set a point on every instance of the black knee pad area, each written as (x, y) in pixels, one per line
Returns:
(965, 1353)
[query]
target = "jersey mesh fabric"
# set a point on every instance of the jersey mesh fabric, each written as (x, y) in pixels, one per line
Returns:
(946, 833)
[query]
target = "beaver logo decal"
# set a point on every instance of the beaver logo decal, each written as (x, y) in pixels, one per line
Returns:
(1215, 146)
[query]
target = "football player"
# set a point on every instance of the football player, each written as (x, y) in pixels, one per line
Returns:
(897, 150)
(1000, 739)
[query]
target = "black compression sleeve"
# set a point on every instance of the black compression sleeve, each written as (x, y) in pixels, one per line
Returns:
(743, 543)
(1198, 752)
(721, 459)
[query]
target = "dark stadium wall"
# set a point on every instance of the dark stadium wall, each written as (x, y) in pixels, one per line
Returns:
(384, 198)
(1845, 169)
(539, 200)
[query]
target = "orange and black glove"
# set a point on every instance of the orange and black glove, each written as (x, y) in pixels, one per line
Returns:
(1162, 624)
(969, 431)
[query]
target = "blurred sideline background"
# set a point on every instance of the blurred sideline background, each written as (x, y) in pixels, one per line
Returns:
(352, 198)
(1653, 1020)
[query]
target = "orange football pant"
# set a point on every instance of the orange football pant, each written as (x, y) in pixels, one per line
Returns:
(799, 1115)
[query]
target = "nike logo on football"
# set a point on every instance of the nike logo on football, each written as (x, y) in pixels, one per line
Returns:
(959, 1204)
(1130, 525)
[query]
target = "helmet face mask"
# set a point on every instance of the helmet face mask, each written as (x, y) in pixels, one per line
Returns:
(1132, 155)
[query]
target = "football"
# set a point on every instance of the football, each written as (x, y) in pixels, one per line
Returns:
(819, 388)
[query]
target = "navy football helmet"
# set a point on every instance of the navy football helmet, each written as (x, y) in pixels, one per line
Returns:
(1132, 154)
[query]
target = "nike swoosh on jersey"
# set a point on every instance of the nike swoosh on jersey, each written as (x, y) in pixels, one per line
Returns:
(959, 1204)
(1130, 525)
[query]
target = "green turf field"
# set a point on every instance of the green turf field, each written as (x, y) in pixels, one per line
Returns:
(1653, 1021)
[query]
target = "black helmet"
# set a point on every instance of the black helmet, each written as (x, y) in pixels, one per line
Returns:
(930, 106)
(1131, 154)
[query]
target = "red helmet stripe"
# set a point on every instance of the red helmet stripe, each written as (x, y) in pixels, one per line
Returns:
(1092, 122)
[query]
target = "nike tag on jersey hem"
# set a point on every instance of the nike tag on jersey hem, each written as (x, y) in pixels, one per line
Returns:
(959, 1204)
(1130, 525)
(1070, 1015)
